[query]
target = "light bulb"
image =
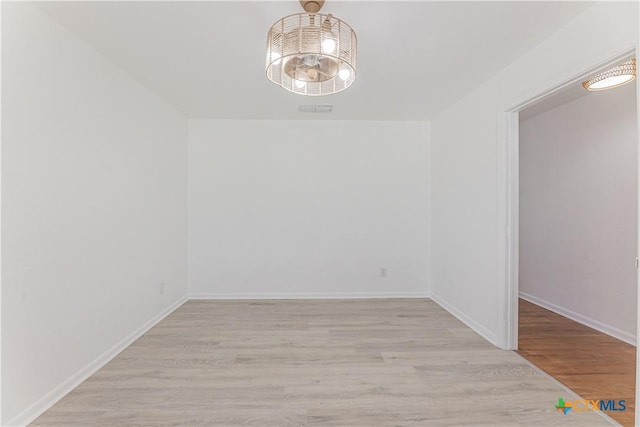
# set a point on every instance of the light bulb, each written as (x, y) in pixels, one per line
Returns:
(300, 84)
(328, 46)
(344, 74)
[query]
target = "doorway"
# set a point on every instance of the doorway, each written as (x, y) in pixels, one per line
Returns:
(570, 266)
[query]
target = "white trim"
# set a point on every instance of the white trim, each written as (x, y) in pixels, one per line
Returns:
(478, 328)
(331, 295)
(429, 209)
(637, 391)
(508, 215)
(567, 389)
(513, 223)
(0, 234)
(580, 318)
(48, 400)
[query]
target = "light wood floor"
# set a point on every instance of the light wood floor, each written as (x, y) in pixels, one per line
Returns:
(313, 363)
(591, 363)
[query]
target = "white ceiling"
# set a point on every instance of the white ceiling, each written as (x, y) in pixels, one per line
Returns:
(414, 58)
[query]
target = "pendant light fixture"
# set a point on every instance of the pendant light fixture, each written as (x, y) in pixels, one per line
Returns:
(617, 76)
(311, 53)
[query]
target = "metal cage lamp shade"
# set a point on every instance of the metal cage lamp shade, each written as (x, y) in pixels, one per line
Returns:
(311, 53)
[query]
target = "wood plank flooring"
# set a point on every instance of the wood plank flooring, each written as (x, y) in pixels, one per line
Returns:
(347, 363)
(591, 363)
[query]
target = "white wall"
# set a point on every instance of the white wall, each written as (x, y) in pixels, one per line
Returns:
(468, 163)
(578, 210)
(308, 208)
(93, 209)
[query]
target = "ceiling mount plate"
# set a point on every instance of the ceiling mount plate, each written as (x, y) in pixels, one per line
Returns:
(312, 6)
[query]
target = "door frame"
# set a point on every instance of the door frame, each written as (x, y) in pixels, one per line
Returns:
(508, 204)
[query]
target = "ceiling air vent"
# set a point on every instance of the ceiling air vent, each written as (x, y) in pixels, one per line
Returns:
(315, 108)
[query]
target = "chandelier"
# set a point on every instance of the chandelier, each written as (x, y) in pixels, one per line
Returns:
(311, 53)
(613, 77)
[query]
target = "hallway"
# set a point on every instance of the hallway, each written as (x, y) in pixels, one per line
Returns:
(593, 364)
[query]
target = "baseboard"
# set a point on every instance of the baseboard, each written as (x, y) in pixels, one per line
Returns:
(47, 401)
(585, 320)
(333, 295)
(478, 328)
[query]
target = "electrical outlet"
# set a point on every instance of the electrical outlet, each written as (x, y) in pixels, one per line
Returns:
(383, 273)
(161, 288)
